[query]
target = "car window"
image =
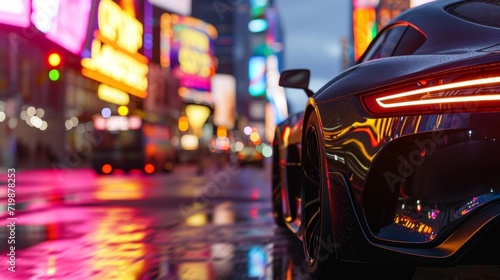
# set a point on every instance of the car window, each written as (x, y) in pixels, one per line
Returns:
(374, 49)
(412, 39)
(399, 39)
(385, 43)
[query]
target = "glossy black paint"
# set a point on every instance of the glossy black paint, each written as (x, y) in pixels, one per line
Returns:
(297, 78)
(398, 188)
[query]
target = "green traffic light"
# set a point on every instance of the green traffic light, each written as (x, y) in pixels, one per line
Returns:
(54, 75)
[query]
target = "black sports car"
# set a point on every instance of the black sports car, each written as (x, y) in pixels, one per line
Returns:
(395, 163)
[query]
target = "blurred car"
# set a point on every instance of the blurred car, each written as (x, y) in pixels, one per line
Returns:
(394, 163)
(250, 155)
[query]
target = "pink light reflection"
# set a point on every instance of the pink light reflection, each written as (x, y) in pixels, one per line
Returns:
(82, 243)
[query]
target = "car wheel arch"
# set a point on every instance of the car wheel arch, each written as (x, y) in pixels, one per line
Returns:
(318, 255)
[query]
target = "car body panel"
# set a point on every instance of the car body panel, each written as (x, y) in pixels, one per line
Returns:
(403, 186)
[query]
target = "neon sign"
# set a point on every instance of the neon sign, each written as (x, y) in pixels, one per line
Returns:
(120, 27)
(15, 12)
(68, 26)
(165, 35)
(364, 29)
(114, 58)
(63, 22)
(112, 95)
(193, 55)
(191, 50)
(257, 75)
(182, 7)
(117, 123)
(44, 13)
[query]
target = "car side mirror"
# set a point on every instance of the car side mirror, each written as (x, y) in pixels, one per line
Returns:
(296, 78)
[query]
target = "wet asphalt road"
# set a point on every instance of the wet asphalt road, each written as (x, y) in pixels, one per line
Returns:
(74, 224)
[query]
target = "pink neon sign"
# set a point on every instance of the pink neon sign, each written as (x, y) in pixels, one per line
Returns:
(15, 12)
(64, 22)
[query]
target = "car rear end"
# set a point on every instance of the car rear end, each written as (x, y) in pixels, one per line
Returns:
(439, 174)
(420, 160)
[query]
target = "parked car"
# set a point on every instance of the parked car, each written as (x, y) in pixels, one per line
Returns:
(394, 163)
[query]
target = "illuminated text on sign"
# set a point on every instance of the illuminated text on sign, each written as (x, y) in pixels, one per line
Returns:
(194, 58)
(114, 59)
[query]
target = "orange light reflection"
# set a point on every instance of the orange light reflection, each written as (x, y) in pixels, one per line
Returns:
(122, 190)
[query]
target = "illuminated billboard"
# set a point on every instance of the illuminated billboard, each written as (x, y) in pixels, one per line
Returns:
(15, 13)
(224, 95)
(257, 76)
(181, 7)
(275, 94)
(113, 57)
(414, 3)
(370, 16)
(190, 50)
(64, 22)
(387, 10)
(364, 28)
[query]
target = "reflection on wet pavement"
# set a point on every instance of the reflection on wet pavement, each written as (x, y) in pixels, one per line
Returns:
(80, 243)
(210, 246)
(78, 233)
(133, 227)
(230, 242)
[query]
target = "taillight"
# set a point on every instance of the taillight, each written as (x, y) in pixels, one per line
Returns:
(470, 92)
(149, 168)
(106, 168)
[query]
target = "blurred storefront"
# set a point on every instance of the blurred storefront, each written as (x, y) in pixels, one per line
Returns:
(38, 42)
(67, 63)
(113, 61)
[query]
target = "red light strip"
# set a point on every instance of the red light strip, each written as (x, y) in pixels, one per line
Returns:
(484, 81)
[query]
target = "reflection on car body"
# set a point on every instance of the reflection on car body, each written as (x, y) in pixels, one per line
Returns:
(395, 160)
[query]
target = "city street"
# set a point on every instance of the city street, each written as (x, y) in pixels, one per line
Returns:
(74, 224)
(252, 140)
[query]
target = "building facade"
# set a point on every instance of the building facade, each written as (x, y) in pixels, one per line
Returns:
(74, 72)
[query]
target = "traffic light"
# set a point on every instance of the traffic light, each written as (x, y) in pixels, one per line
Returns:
(55, 61)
